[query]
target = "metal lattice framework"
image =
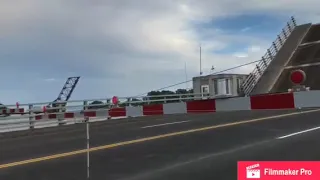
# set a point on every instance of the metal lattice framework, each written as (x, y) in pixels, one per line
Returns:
(68, 89)
(65, 93)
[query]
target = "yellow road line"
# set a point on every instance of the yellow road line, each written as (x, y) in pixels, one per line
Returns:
(55, 156)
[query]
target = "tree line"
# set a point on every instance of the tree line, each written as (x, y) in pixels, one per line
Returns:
(156, 97)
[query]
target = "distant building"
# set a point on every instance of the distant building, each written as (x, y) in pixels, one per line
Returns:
(219, 85)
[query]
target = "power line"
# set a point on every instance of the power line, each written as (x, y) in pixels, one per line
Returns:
(252, 62)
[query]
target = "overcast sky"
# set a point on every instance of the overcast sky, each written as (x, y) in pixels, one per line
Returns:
(128, 47)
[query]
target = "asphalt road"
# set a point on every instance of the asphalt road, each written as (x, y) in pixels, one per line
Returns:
(201, 146)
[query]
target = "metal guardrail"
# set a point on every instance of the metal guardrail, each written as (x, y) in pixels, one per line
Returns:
(28, 121)
(122, 100)
(80, 106)
(253, 78)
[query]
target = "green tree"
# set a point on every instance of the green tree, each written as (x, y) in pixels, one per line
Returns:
(159, 96)
(137, 102)
(99, 105)
(182, 91)
(163, 95)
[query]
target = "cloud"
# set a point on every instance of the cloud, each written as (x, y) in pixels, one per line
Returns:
(129, 47)
(254, 49)
(246, 29)
(241, 55)
(49, 79)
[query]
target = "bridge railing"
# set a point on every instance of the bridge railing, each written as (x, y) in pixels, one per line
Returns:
(253, 78)
(79, 111)
(33, 112)
(103, 103)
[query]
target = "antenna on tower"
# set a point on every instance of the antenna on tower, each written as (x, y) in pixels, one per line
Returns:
(200, 62)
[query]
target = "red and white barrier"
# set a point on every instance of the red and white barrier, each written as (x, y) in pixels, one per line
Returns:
(16, 110)
(12, 111)
(74, 115)
(288, 100)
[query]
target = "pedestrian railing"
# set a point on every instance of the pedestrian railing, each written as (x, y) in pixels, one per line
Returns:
(253, 78)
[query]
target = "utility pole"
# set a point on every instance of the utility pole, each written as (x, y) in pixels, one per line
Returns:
(185, 72)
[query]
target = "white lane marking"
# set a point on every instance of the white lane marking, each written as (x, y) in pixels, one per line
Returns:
(299, 132)
(177, 122)
(175, 166)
